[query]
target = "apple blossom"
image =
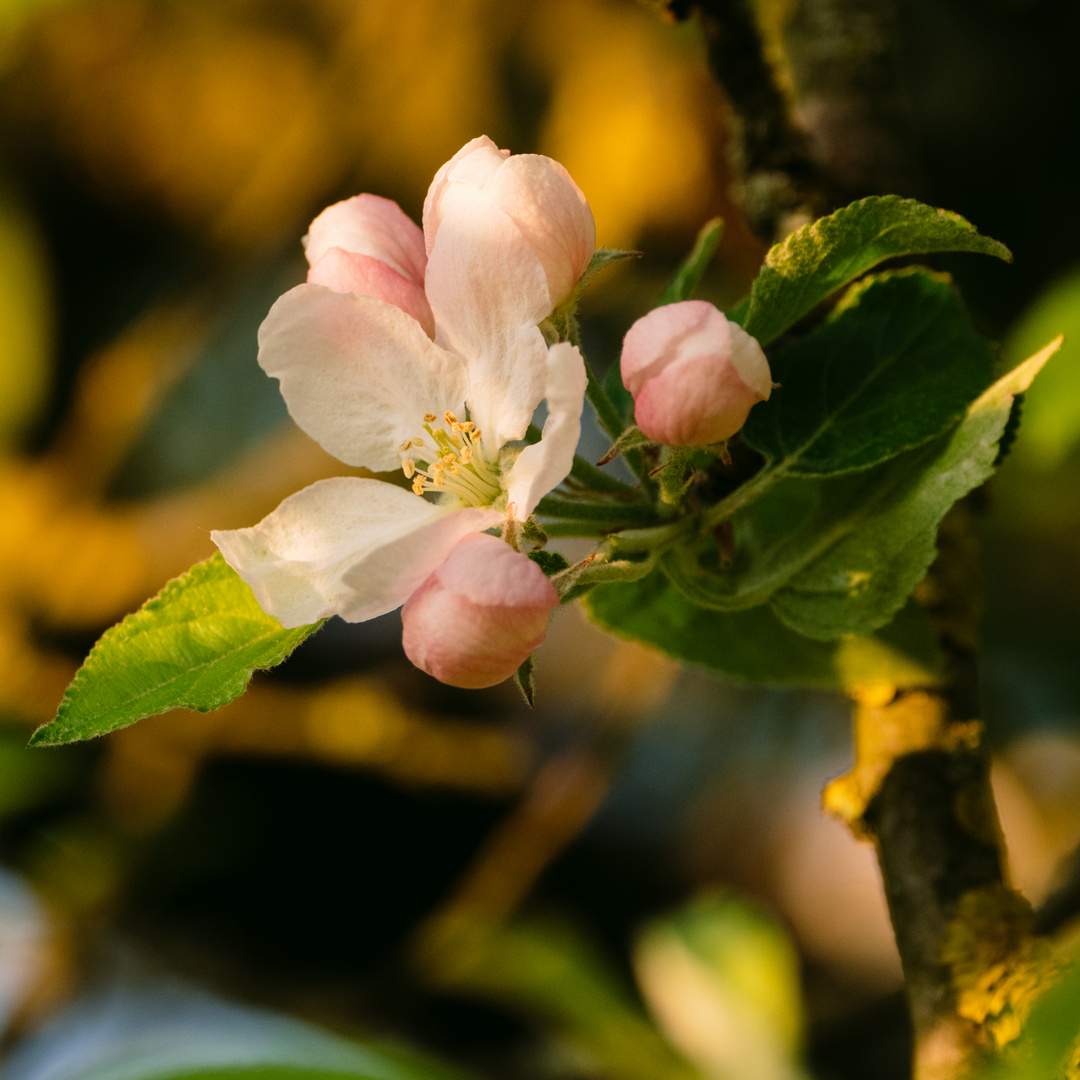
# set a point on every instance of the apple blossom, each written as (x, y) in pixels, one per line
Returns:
(374, 380)
(693, 373)
(479, 616)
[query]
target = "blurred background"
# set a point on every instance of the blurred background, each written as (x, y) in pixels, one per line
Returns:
(558, 892)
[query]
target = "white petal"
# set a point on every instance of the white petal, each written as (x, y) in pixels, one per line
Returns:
(370, 225)
(346, 546)
(475, 163)
(357, 374)
(541, 467)
(488, 291)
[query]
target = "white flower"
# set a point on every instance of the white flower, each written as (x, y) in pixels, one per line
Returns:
(360, 374)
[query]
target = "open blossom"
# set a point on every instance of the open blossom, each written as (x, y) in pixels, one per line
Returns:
(694, 374)
(479, 616)
(419, 351)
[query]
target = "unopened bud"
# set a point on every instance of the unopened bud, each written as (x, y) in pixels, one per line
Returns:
(478, 617)
(694, 374)
(535, 192)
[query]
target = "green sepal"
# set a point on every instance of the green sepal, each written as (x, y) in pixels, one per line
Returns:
(193, 646)
(524, 680)
(551, 562)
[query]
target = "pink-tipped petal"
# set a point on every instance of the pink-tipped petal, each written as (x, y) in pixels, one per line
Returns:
(347, 546)
(488, 293)
(694, 375)
(345, 271)
(544, 465)
(474, 164)
(553, 215)
(373, 226)
(479, 616)
(357, 374)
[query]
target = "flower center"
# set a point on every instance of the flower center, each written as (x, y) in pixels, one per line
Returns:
(451, 459)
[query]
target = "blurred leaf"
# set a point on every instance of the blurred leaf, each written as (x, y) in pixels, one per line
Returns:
(895, 364)
(687, 278)
(829, 253)
(723, 980)
(25, 314)
(549, 972)
(195, 646)
(221, 407)
(755, 646)
(1049, 1035)
(860, 581)
(140, 1030)
(26, 778)
(1051, 423)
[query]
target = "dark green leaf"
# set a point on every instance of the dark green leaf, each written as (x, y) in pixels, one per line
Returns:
(687, 278)
(841, 555)
(194, 646)
(859, 582)
(895, 365)
(754, 646)
(827, 254)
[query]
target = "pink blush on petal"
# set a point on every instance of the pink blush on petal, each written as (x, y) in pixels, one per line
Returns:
(345, 271)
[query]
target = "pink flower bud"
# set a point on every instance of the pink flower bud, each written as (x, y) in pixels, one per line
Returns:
(476, 619)
(535, 192)
(694, 374)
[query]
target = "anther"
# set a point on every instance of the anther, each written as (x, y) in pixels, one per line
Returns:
(408, 467)
(430, 418)
(449, 417)
(405, 445)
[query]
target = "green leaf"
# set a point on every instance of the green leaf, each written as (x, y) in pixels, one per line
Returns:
(862, 579)
(827, 254)
(525, 681)
(896, 363)
(755, 646)
(687, 278)
(194, 646)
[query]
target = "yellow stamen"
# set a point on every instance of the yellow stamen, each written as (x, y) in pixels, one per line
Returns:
(408, 467)
(430, 418)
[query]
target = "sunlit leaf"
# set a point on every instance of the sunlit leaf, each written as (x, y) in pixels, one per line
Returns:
(894, 366)
(827, 254)
(1051, 422)
(195, 646)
